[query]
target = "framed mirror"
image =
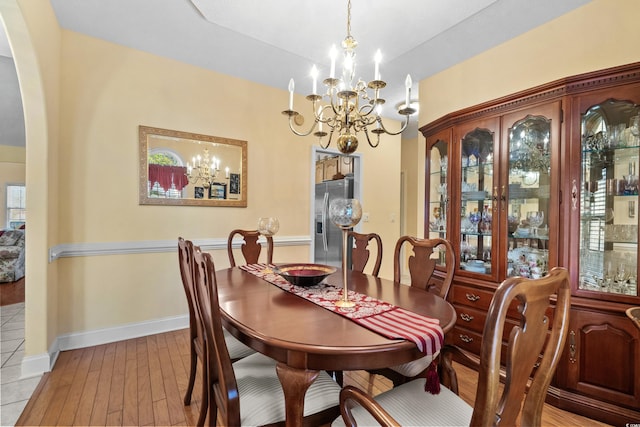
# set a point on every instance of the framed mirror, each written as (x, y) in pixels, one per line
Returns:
(189, 169)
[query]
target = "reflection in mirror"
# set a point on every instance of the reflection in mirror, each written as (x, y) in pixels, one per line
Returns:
(182, 168)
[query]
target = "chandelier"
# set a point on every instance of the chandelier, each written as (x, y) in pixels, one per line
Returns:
(350, 108)
(204, 169)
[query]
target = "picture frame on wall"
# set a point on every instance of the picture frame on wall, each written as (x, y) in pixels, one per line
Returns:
(234, 183)
(198, 192)
(218, 190)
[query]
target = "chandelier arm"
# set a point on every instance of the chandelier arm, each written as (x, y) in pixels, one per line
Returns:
(328, 141)
(369, 140)
(313, 126)
(404, 126)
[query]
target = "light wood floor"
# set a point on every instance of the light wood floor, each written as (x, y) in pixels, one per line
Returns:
(142, 382)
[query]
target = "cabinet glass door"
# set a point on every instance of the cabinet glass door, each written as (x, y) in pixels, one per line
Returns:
(476, 207)
(437, 193)
(609, 198)
(529, 180)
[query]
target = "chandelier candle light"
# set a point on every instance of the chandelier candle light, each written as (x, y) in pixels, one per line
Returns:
(204, 169)
(350, 108)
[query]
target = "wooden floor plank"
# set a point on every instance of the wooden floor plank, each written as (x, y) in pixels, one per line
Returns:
(114, 418)
(161, 412)
(116, 393)
(145, 403)
(130, 392)
(161, 368)
(101, 405)
(87, 399)
(174, 399)
(98, 357)
(157, 386)
(68, 413)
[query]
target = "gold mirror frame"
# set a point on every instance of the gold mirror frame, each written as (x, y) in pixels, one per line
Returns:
(150, 137)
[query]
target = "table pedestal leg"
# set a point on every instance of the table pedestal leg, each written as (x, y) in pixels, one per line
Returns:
(295, 383)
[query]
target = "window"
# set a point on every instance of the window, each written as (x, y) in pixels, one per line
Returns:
(16, 206)
(166, 174)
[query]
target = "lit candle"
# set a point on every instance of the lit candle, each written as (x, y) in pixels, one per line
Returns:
(314, 75)
(226, 172)
(291, 87)
(407, 84)
(332, 54)
(377, 59)
(199, 159)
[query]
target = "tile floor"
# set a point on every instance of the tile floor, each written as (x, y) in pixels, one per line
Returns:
(14, 391)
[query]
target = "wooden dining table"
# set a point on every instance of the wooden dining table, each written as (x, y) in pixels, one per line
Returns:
(305, 338)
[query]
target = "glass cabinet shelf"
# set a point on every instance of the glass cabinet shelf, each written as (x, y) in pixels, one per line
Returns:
(610, 155)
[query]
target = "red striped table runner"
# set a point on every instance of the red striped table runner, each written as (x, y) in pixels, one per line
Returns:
(386, 319)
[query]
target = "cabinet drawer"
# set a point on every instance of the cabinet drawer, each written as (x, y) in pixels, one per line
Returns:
(465, 339)
(470, 318)
(476, 298)
(480, 299)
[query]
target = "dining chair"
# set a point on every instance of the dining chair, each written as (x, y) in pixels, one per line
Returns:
(422, 265)
(248, 392)
(525, 370)
(237, 350)
(360, 252)
(250, 248)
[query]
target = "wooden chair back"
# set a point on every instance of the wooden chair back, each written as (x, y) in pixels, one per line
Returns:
(224, 397)
(251, 248)
(185, 258)
(527, 374)
(196, 333)
(360, 252)
(527, 341)
(422, 265)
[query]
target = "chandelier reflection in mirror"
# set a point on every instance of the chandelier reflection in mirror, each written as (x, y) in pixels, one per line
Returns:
(350, 108)
(204, 169)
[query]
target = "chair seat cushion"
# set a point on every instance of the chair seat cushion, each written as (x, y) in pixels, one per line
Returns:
(410, 405)
(237, 350)
(413, 368)
(261, 395)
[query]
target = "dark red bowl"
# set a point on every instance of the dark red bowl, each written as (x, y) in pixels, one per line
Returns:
(304, 274)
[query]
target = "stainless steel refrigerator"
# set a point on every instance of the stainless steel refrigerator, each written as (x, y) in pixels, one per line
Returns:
(328, 237)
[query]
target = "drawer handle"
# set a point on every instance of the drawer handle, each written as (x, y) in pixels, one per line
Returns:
(473, 297)
(466, 338)
(572, 347)
(466, 317)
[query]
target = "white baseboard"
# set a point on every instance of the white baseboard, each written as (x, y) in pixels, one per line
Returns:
(34, 366)
(39, 364)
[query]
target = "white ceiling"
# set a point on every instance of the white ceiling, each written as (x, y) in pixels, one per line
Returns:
(270, 41)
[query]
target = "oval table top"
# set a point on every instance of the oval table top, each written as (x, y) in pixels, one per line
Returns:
(303, 335)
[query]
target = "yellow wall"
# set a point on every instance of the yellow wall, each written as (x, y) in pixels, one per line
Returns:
(84, 100)
(34, 37)
(106, 92)
(599, 35)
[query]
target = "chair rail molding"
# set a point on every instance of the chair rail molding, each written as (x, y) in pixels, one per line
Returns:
(66, 250)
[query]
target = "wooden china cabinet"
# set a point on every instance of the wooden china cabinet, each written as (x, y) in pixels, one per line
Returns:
(542, 178)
